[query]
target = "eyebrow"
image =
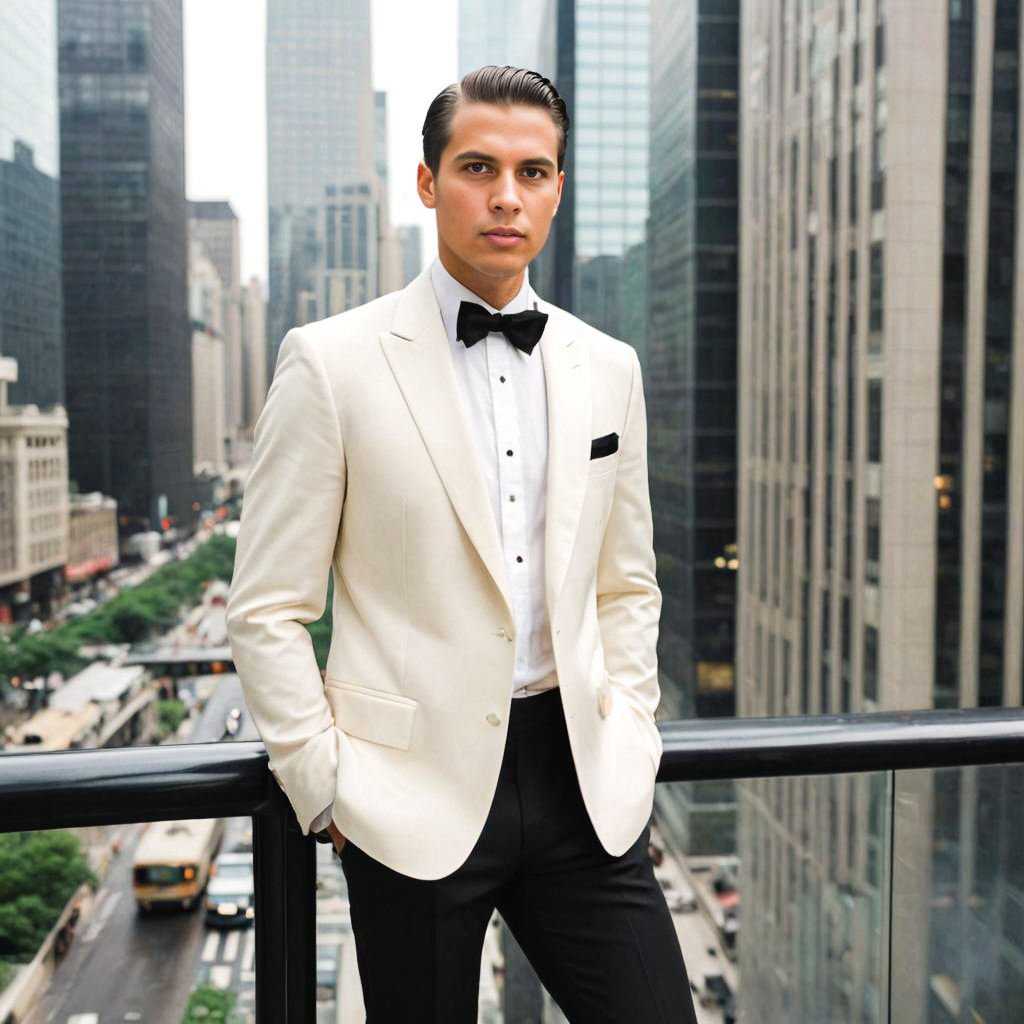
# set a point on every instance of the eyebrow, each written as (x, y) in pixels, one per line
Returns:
(472, 154)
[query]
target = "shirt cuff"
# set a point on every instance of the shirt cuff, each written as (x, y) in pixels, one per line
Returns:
(322, 820)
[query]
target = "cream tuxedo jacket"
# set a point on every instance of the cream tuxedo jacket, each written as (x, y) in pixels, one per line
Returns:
(363, 465)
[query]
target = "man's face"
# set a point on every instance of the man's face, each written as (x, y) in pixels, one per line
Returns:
(496, 189)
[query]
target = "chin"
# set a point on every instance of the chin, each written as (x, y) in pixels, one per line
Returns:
(503, 264)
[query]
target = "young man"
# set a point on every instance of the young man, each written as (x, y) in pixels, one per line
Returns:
(470, 462)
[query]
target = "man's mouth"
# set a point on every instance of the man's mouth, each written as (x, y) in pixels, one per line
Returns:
(504, 236)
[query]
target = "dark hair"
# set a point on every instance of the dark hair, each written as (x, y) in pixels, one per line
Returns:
(491, 84)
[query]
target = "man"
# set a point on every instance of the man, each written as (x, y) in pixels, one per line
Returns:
(484, 736)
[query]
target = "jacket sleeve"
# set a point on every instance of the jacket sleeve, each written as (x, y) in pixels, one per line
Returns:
(628, 597)
(291, 515)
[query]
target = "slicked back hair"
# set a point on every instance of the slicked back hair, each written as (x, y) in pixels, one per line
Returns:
(491, 84)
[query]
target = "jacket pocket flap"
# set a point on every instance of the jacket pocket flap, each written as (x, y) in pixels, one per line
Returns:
(373, 715)
(602, 446)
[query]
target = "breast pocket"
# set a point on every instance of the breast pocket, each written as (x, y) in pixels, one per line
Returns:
(374, 715)
(604, 454)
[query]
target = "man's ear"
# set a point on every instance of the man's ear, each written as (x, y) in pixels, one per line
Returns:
(561, 183)
(425, 185)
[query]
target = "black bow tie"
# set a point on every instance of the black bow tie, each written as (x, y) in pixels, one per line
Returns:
(522, 329)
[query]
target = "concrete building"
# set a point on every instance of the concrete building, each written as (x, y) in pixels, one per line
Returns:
(320, 132)
(881, 493)
(92, 537)
(691, 383)
(351, 245)
(33, 504)
(254, 348)
(214, 224)
(410, 243)
(124, 216)
(210, 439)
(493, 32)
(31, 324)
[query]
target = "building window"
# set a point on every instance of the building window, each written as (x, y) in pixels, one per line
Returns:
(873, 515)
(874, 420)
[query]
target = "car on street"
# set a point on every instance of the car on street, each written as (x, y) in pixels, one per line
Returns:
(230, 893)
(679, 897)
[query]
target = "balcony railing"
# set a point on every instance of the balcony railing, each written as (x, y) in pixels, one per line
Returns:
(110, 787)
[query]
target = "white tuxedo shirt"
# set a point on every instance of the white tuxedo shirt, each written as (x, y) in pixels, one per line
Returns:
(364, 465)
(503, 393)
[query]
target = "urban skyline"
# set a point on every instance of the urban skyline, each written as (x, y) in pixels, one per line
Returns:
(804, 221)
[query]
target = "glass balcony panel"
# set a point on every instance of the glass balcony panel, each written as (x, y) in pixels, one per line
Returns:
(958, 896)
(809, 860)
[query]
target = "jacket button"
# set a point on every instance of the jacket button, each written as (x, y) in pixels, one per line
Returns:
(493, 719)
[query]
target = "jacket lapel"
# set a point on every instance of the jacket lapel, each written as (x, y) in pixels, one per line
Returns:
(419, 355)
(567, 379)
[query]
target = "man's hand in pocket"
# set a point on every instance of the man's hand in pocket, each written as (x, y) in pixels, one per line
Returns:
(336, 837)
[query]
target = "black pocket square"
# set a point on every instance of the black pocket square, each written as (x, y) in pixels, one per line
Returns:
(602, 446)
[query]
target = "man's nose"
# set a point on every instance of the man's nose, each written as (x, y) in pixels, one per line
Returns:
(505, 197)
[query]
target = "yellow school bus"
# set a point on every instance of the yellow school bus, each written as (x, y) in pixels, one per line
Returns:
(172, 862)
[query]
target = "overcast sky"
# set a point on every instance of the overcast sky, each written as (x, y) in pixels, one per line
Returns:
(225, 121)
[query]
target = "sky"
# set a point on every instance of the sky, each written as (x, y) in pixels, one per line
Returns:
(225, 120)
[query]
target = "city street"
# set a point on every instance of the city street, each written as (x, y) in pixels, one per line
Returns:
(125, 966)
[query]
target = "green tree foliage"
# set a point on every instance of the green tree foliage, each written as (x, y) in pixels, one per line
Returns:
(39, 872)
(171, 714)
(134, 615)
(6, 971)
(208, 1003)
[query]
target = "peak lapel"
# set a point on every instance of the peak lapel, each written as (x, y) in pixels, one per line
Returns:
(567, 378)
(420, 358)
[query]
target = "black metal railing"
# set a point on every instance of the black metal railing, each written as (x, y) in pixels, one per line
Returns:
(110, 787)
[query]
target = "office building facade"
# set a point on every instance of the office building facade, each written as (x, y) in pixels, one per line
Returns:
(254, 350)
(320, 132)
(598, 238)
(31, 324)
(691, 383)
(410, 256)
(881, 492)
(215, 226)
(124, 216)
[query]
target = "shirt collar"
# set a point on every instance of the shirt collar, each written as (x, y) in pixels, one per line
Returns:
(450, 293)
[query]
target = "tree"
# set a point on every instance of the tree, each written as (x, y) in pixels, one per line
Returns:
(39, 872)
(171, 714)
(207, 1004)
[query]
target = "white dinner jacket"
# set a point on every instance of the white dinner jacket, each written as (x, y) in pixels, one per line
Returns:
(363, 464)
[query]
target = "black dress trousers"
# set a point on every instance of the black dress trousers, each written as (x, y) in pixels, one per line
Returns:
(596, 928)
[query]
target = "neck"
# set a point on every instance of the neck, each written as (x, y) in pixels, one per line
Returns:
(497, 292)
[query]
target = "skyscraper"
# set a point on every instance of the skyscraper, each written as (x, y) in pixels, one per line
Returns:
(254, 351)
(214, 225)
(320, 132)
(31, 327)
(206, 308)
(124, 217)
(602, 71)
(691, 272)
(495, 32)
(881, 489)
(410, 256)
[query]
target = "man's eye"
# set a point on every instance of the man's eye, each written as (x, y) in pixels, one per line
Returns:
(475, 168)
(535, 173)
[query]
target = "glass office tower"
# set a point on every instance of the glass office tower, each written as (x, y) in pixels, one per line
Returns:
(125, 219)
(603, 52)
(692, 254)
(31, 327)
(320, 132)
